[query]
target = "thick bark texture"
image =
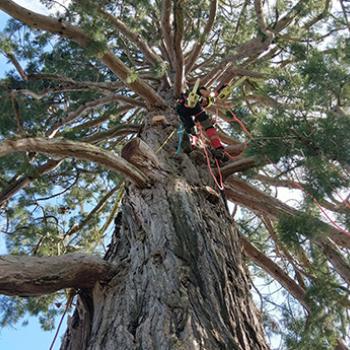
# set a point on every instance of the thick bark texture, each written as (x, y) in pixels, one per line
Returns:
(181, 283)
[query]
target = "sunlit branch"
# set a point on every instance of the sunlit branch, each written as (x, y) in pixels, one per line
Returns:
(79, 150)
(98, 121)
(33, 276)
(87, 107)
(119, 130)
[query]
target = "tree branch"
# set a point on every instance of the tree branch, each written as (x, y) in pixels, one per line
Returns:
(12, 58)
(238, 165)
(18, 183)
(178, 36)
(85, 108)
(275, 271)
(260, 16)
(33, 276)
(166, 29)
(65, 29)
(80, 150)
(134, 38)
(246, 195)
(195, 52)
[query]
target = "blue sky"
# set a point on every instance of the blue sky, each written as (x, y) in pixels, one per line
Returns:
(30, 337)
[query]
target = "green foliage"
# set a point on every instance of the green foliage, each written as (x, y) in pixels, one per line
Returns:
(293, 230)
(298, 116)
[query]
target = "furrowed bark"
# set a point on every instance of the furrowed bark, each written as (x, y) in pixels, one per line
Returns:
(182, 285)
(80, 150)
(33, 276)
(71, 32)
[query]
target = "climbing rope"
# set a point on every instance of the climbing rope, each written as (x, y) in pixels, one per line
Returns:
(180, 134)
(166, 141)
(68, 305)
(219, 183)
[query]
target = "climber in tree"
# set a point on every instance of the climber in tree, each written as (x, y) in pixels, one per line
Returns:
(190, 107)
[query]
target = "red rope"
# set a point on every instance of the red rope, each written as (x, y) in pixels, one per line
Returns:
(219, 183)
(323, 211)
(241, 124)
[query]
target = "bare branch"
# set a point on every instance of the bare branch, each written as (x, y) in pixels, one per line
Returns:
(99, 206)
(18, 183)
(199, 45)
(87, 107)
(113, 132)
(345, 14)
(238, 165)
(74, 33)
(336, 258)
(33, 276)
(80, 150)
(166, 29)
(69, 82)
(178, 37)
(17, 65)
(135, 38)
(260, 15)
(275, 271)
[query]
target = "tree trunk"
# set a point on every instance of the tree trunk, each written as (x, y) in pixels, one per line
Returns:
(181, 282)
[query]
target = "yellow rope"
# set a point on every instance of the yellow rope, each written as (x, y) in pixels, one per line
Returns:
(166, 141)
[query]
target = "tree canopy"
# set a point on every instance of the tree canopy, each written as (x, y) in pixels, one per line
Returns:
(86, 80)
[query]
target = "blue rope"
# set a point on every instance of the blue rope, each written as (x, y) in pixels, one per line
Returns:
(180, 134)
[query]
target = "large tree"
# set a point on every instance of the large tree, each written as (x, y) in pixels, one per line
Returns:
(89, 136)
